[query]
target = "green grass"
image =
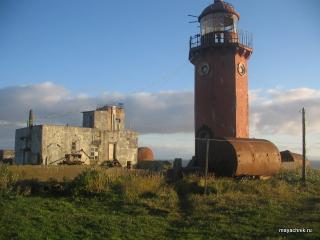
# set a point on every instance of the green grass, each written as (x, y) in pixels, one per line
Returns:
(102, 204)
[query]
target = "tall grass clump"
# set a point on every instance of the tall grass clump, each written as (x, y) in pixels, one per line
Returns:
(91, 182)
(147, 188)
(7, 179)
(130, 187)
(294, 176)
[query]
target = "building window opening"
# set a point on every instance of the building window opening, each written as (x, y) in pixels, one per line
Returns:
(73, 147)
(94, 153)
(112, 151)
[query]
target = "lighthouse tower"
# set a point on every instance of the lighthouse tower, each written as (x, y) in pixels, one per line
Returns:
(220, 54)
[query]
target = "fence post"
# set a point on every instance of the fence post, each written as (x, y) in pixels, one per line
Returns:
(303, 145)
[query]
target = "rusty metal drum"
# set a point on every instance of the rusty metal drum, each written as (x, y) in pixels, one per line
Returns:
(145, 154)
(234, 157)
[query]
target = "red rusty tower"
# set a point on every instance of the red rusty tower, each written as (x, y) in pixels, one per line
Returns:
(220, 54)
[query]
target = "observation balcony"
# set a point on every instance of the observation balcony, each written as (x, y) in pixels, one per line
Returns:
(219, 38)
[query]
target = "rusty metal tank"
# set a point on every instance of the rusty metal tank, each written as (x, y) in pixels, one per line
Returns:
(145, 154)
(241, 157)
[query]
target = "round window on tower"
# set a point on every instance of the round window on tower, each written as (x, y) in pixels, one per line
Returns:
(203, 69)
(242, 69)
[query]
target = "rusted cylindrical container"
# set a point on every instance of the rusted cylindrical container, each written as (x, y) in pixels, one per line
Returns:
(145, 154)
(241, 157)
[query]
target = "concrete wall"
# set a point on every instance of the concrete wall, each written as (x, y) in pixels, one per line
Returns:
(102, 120)
(126, 146)
(50, 144)
(28, 145)
(107, 118)
(57, 141)
(88, 119)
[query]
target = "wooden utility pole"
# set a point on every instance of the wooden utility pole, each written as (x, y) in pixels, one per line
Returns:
(206, 168)
(303, 145)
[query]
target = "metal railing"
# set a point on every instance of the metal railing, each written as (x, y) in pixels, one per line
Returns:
(218, 38)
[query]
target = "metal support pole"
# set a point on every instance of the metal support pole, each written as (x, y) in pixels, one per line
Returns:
(206, 168)
(303, 145)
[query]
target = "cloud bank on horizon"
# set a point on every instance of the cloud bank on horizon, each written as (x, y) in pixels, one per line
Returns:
(274, 113)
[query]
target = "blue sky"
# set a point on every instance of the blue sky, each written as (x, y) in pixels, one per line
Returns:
(95, 47)
(129, 46)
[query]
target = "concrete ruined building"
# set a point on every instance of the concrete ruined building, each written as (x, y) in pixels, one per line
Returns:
(102, 138)
(220, 54)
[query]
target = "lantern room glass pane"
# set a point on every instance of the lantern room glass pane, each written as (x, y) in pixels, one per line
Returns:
(218, 22)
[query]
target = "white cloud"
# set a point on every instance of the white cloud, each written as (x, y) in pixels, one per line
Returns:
(8, 123)
(169, 146)
(293, 95)
(274, 113)
(164, 112)
(278, 111)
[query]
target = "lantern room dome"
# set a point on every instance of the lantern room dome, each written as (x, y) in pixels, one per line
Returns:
(219, 6)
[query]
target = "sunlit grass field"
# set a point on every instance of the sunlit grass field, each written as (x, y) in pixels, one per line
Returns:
(120, 204)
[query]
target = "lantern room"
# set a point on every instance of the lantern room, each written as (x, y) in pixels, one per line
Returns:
(219, 26)
(219, 17)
